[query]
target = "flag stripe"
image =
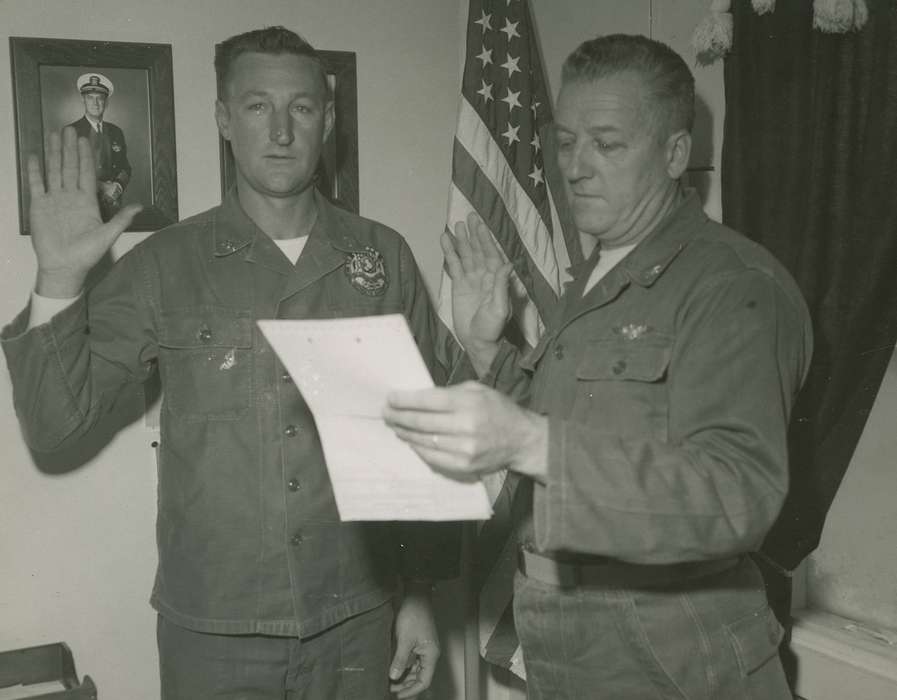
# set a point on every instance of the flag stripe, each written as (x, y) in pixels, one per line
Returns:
(478, 189)
(528, 221)
(488, 84)
(499, 171)
(525, 311)
(503, 643)
(493, 534)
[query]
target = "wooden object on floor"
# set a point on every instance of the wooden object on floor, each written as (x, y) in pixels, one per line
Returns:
(46, 672)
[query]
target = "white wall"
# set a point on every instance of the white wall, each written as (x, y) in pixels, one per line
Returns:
(78, 550)
(854, 572)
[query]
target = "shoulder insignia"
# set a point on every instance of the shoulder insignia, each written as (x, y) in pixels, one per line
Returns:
(366, 271)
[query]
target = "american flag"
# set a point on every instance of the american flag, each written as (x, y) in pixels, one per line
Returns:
(499, 171)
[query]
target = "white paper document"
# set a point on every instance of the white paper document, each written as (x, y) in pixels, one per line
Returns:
(345, 368)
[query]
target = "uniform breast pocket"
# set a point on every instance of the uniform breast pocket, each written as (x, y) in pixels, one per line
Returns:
(623, 384)
(205, 359)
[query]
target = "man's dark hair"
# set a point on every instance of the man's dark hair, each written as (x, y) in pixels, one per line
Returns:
(666, 77)
(270, 40)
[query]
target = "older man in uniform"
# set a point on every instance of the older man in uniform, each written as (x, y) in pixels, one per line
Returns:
(651, 435)
(110, 150)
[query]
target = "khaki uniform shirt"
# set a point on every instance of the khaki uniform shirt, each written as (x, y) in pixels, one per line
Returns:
(668, 388)
(248, 532)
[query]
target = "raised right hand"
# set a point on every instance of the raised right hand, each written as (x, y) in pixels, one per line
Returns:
(67, 233)
(479, 273)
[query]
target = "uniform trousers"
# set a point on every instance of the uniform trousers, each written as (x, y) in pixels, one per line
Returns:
(349, 661)
(712, 639)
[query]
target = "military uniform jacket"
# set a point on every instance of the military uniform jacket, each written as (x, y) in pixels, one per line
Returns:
(668, 389)
(110, 151)
(248, 533)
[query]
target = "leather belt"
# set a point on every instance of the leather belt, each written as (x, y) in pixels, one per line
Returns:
(616, 574)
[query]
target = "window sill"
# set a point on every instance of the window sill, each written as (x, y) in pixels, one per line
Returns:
(837, 659)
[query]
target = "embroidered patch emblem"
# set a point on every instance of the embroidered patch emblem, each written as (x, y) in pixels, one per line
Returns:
(116, 148)
(366, 271)
(633, 331)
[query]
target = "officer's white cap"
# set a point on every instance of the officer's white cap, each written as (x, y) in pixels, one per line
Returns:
(95, 82)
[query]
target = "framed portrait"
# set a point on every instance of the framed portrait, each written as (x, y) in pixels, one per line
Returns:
(118, 95)
(337, 175)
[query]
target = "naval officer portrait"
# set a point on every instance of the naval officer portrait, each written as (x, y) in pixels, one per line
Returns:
(108, 141)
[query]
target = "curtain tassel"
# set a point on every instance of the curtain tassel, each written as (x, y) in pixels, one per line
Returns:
(761, 7)
(712, 38)
(836, 16)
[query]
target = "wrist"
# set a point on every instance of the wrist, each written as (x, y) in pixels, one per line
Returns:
(481, 354)
(59, 285)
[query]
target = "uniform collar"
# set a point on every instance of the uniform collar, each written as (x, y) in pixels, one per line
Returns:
(234, 230)
(650, 259)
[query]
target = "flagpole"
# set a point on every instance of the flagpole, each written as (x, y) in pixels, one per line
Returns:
(471, 616)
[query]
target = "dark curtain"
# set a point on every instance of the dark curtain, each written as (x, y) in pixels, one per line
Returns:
(809, 170)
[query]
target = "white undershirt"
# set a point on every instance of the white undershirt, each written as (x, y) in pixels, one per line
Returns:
(607, 260)
(291, 247)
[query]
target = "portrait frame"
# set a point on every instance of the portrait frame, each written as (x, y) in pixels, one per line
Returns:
(337, 176)
(38, 64)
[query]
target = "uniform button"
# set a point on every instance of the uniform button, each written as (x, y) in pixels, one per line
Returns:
(205, 335)
(293, 484)
(286, 378)
(619, 367)
(296, 539)
(559, 351)
(290, 431)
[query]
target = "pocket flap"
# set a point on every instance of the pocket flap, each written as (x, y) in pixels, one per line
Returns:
(205, 328)
(755, 639)
(644, 360)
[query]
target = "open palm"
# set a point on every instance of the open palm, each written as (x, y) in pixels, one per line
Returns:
(479, 273)
(67, 233)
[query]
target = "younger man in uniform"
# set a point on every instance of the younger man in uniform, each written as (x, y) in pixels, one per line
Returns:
(261, 591)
